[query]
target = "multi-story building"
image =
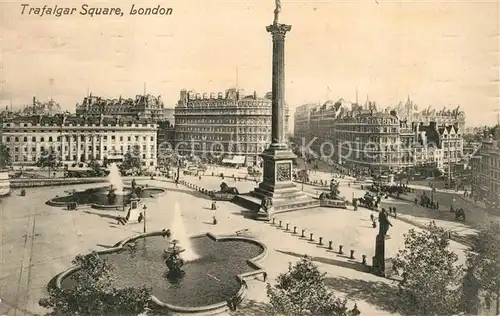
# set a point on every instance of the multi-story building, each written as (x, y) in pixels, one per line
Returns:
(351, 134)
(365, 136)
(485, 166)
(301, 121)
(37, 107)
(409, 111)
(165, 138)
(143, 106)
(452, 144)
(50, 107)
(79, 139)
(231, 125)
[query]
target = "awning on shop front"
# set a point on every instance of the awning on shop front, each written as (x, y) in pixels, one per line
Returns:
(236, 160)
(239, 160)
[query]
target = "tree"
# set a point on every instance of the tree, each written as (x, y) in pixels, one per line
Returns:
(430, 276)
(47, 159)
(5, 159)
(93, 293)
(483, 261)
(132, 159)
(302, 291)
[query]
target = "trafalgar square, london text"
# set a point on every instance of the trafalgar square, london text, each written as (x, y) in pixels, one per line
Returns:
(91, 11)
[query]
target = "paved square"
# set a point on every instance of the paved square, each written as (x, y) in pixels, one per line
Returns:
(39, 241)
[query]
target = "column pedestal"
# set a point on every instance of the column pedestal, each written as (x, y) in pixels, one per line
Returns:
(381, 265)
(278, 186)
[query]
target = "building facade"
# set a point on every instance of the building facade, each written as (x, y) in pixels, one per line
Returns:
(143, 106)
(36, 107)
(224, 125)
(410, 112)
(452, 145)
(350, 134)
(301, 119)
(362, 135)
(165, 139)
(485, 166)
(78, 139)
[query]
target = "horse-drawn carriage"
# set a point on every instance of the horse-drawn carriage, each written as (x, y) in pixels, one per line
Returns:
(460, 214)
(387, 189)
(369, 200)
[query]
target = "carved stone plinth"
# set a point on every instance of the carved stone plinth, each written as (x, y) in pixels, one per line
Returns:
(265, 215)
(381, 266)
(277, 183)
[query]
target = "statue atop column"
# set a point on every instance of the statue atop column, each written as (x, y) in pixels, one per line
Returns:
(384, 223)
(277, 12)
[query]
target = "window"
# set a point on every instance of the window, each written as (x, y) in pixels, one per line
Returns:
(25, 139)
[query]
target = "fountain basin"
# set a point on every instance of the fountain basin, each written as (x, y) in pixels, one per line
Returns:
(98, 198)
(217, 276)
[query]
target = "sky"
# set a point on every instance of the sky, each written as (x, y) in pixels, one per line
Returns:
(439, 53)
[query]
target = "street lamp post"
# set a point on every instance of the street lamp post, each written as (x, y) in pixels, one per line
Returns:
(432, 194)
(123, 199)
(144, 209)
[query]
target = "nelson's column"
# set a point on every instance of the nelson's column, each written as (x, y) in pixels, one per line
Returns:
(277, 186)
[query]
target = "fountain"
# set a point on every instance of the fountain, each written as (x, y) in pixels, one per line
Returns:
(174, 261)
(113, 197)
(115, 180)
(203, 276)
(179, 233)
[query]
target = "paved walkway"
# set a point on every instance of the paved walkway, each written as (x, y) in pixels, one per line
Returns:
(39, 241)
(416, 214)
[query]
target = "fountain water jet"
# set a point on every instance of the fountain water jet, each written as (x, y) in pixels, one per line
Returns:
(114, 178)
(179, 233)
